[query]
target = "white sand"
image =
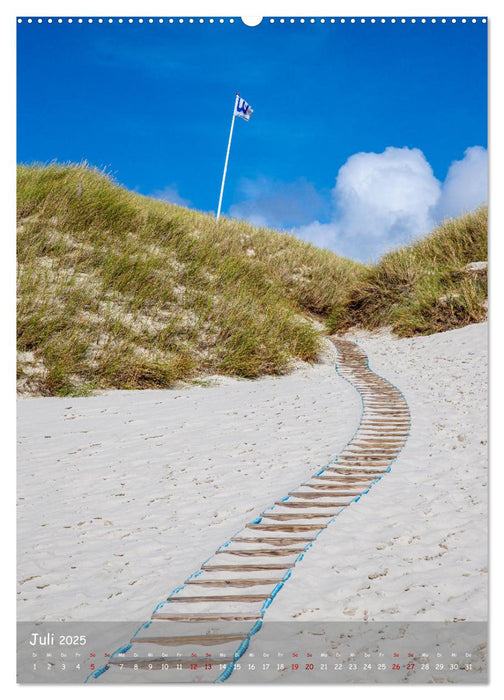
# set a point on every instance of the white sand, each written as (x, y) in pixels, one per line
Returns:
(123, 495)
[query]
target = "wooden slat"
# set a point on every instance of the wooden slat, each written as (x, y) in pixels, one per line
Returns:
(371, 457)
(286, 528)
(205, 617)
(372, 415)
(347, 481)
(382, 422)
(386, 429)
(386, 419)
(284, 552)
(379, 394)
(371, 433)
(379, 421)
(276, 541)
(332, 487)
(384, 407)
(364, 457)
(294, 516)
(247, 567)
(388, 398)
(364, 462)
(382, 386)
(203, 639)
(392, 432)
(309, 494)
(244, 598)
(234, 583)
(356, 462)
(363, 447)
(373, 453)
(387, 407)
(358, 472)
(371, 442)
(299, 505)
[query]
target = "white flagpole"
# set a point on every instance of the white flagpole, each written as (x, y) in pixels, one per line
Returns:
(227, 158)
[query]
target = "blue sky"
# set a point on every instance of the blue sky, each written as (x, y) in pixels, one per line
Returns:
(355, 126)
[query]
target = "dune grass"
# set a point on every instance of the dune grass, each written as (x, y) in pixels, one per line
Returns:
(423, 288)
(117, 290)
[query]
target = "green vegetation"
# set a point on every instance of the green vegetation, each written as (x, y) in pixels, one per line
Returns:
(422, 288)
(117, 290)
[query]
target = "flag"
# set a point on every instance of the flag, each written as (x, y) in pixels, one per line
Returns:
(242, 109)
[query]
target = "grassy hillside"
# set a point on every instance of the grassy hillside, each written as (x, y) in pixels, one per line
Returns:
(422, 288)
(119, 290)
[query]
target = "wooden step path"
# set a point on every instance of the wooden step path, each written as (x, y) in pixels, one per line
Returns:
(201, 615)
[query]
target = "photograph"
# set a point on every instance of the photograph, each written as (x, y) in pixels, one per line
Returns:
(252, 349)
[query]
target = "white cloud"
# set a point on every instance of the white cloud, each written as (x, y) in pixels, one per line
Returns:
(383, 200)
(171, 194)
(379, 201)
(466, 184)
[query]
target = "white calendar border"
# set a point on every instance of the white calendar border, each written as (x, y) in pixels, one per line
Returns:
(257, 8)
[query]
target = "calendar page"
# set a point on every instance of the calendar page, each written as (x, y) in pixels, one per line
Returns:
(252, 349)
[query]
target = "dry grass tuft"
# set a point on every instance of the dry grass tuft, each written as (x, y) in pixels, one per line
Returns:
(425, 287)
(117, 290)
